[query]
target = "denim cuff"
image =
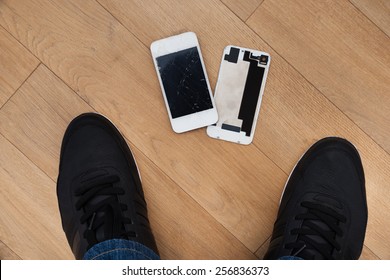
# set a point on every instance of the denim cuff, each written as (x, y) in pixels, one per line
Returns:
(120, 249)
(290, 258)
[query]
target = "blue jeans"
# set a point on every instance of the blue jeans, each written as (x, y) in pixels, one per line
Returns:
(120, 249)
(290, 258)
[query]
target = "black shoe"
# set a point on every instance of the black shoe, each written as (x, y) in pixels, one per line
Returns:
(323, 211)
(99, 189)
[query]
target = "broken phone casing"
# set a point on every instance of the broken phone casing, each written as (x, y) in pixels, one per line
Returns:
(238, 94)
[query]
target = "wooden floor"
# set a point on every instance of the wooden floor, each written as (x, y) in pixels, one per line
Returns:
(208, 199)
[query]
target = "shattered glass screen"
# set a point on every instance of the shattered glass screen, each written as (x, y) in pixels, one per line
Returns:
(184, 82)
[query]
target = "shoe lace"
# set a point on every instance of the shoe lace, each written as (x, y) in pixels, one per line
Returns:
(98, 198)
(318, 233)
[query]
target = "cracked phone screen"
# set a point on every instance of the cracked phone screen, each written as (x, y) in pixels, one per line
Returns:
(184, 82)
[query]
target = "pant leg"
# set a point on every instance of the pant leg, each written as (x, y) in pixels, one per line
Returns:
(290, 258)
(120, 249)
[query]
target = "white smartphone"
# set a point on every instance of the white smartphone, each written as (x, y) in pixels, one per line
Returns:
(238, 94)
(184, 83)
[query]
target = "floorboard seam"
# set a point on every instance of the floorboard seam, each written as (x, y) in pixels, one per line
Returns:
(9, 98)
(320, 92)
(361, 12)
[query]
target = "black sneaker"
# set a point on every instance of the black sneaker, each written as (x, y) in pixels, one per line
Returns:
(323, 211)
(99, 189)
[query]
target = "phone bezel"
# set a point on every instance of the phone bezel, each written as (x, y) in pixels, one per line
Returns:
(171, 45)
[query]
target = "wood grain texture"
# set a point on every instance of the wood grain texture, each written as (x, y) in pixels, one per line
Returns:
(6, 253)
(376, 10)
(367, 254)
(294, 113)
(183, 229)
(243, 8)
(30, 221)
(42, 109)
(43, 101)
(111, 70)
(16, 63)
(263, 249)
(339, 51)
(232, 191)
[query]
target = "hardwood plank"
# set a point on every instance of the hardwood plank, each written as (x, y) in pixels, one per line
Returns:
(42, 101)
(112, 72)
(6, 253)
(294, 113)
(376, 10)
(183, 228)
(16, 63)
(263, 249)
(243, 8)
(339, 51)
(30, 221)
(367, 254)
